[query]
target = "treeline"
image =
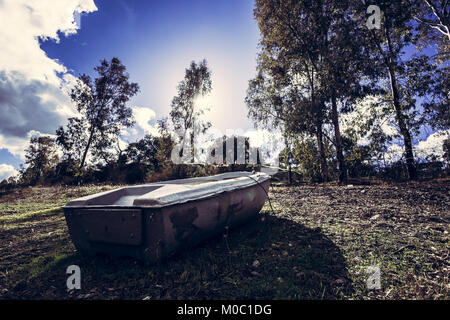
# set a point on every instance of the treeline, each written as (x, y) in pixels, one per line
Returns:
(88, 148)
(146, 160)
(360, 162)
(131, 165)
(320, 61)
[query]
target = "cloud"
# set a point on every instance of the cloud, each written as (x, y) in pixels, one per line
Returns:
(128, 132)
(143, 116)
(432, 146)
(17, 145)
(7, 171)
(368, 109)
(24, 109)
(24, 22)
(394, 153)
(33, 87)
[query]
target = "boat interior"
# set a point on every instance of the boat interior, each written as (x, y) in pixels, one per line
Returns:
(167, 192)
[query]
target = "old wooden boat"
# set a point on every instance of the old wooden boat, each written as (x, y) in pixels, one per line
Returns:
(153, 221)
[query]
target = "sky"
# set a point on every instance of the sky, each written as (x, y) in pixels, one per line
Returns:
(50, 43)
(46, 44)
(157, 40)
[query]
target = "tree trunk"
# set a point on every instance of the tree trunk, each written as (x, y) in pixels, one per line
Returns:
(192, 147)
(322, 157)
(338, 141)
(288, 157)
(290, 174)
(91, 135)
(412, 172)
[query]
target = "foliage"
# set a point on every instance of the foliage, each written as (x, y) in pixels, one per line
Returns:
(184, 114)
(433, 17)
(304, 156)
(101, 104)
(41, 159)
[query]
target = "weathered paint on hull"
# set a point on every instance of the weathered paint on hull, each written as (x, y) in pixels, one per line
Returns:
(152, 234)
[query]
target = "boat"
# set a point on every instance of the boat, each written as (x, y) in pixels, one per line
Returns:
(154, 221)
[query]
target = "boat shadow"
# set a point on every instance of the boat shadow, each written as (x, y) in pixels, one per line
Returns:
(272, 258)
(266, 258)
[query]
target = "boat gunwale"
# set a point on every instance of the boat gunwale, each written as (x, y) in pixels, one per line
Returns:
(166, 205)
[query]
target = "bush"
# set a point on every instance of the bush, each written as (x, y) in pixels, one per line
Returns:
(134, 174)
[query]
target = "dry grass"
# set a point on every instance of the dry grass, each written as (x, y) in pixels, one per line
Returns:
(316, 245)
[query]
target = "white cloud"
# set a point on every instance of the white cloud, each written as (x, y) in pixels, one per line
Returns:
(23, 22)
(7, 171)
(371, 107)
(30, 105)
(33, 87)
(17, 145)
(432, 146)
(143, 116)
(394, 153)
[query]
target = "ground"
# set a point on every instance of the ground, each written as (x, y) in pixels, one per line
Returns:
(314, 242)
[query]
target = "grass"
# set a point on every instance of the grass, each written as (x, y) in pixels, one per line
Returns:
(316, 245)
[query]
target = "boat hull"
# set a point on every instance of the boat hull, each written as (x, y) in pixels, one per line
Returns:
(153, 233)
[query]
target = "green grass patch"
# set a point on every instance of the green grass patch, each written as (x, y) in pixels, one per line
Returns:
(38, 267)
(18, 217)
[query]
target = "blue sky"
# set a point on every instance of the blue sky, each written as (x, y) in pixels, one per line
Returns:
(156, 40)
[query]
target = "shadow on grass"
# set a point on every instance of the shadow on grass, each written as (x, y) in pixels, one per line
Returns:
(267, 258)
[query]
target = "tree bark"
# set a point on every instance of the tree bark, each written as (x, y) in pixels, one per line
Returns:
(322, 157)
(443, 24)
(338, 140)
(411, 167)
(91, 135)
(192, 146)
(412, 172)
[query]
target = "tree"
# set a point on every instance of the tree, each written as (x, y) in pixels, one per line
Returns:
(304, 155)
(143, 150)
(437, 112)
(433, 30)
(102, 104)
(433, 14)
(184, 114)
(428, 83)
(292, 34)
(40, 158)
(446, 149)
(151, 151)
(165, 142)
(345, 75)
(73, 140)
(389, 42)
(312, 49)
